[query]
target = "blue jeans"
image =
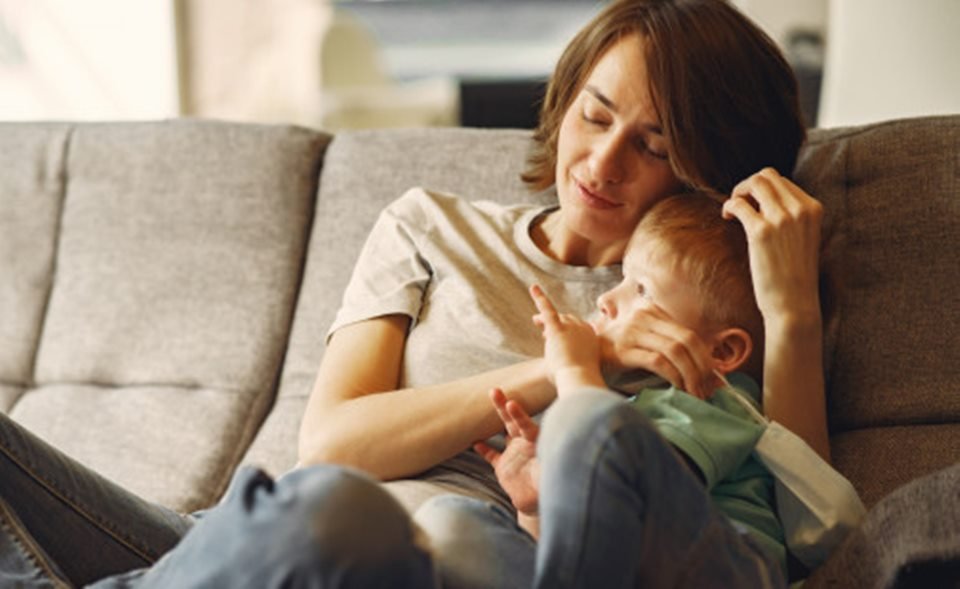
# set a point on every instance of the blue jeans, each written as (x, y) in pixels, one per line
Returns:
(618, 509)
(63, 525)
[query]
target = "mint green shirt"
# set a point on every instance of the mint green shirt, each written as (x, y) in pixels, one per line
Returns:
(719, 436)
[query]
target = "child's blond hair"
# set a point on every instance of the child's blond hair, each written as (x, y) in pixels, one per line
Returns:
(688, 231)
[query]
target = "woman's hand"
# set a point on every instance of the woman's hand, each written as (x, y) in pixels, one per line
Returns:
(782, 223)
(517, 469)
(571, 346)
(650, 340)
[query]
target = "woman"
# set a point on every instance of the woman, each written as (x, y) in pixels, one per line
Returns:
(651, 97)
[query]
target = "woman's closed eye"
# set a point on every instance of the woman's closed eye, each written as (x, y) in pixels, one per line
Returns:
(659, 153)
(594, 119)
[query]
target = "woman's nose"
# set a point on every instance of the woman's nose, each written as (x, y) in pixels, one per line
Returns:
(607, 305)
(605, 160)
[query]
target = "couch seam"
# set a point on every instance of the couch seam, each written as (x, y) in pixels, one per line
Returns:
(840, 302)
(54, 263)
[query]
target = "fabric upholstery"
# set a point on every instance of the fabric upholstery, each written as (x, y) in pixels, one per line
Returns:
(908, 540)
(892, 195)
(178, 253)
(31, 195)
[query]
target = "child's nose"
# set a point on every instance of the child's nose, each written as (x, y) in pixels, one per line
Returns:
(607, 306)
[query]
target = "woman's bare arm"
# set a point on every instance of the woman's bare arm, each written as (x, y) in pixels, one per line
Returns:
(356, 416)
(782, 224)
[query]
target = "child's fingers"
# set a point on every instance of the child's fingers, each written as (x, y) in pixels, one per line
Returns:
(547, 312)
(525, 425)
(500, 405)
(487, 453)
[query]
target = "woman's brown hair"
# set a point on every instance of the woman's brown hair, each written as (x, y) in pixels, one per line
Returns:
(726, 97)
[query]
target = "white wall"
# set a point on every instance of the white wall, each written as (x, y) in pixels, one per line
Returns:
(890, 59)
(89, 59)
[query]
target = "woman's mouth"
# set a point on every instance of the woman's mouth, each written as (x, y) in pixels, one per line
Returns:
(594, 200)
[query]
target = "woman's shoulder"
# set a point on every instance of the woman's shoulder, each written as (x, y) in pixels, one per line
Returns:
(425, 207)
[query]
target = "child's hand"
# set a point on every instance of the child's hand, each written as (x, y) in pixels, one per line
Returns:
(650, 340)
(571, 349)
(517, 469)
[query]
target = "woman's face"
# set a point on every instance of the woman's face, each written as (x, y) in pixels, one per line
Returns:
(612, 160)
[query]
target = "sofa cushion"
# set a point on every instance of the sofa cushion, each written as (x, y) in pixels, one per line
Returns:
(31, 195)
(363, 171)
(892, 195)
(178, 263)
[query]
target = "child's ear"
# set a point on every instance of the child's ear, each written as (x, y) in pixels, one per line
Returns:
(731, 349)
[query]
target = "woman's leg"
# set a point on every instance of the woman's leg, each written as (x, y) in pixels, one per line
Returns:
(619, 509)
(323, 526)
(476, 544)
(60, 521)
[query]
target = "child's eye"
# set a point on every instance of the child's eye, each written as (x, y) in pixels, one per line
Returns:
(642, 291)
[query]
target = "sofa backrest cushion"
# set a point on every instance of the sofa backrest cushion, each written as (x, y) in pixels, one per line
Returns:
(166, 258)
(892, 236)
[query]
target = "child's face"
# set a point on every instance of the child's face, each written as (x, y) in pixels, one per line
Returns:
(651, 280)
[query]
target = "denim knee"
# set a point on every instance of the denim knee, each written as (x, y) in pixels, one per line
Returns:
(323, 526)
(476, 544)
(357, 532)
(586, 419)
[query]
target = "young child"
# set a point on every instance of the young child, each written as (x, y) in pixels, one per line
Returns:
(685, 268)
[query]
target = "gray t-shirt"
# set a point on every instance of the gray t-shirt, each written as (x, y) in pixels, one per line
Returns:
(460, 270)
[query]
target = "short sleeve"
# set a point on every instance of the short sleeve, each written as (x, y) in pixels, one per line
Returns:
(717, 436)
(391, 275)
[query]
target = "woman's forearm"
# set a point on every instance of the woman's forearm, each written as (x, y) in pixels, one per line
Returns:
(403, 432)
(793, 385)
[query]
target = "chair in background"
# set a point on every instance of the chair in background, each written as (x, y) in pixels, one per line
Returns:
(357, 92)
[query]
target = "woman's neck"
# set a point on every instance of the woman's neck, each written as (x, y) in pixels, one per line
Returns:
(556, 240)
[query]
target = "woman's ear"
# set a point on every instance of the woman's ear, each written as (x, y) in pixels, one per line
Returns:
(731, 349)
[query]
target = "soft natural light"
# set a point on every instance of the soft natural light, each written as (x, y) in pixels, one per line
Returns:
(95, 59)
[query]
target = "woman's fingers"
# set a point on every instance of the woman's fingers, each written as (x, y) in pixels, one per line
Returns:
(782, 224)
(769, 196)
(654, 342)
(673, 361)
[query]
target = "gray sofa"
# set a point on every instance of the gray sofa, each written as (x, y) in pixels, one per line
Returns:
(165, 287)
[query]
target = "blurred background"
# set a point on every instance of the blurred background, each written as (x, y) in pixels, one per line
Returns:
(483, 63)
